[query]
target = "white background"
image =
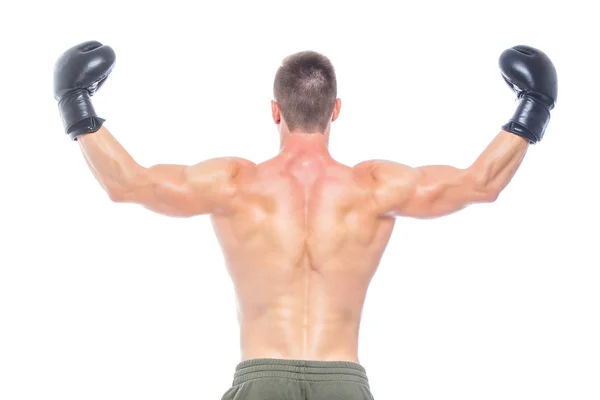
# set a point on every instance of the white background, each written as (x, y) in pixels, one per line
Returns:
(110, 301)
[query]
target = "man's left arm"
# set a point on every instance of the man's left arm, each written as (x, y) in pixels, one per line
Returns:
(175, 190)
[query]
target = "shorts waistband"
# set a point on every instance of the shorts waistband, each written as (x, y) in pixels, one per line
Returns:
(312, 371)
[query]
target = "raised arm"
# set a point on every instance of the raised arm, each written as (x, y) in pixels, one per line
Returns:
(437, 190)
(175, 190)
(433, 191)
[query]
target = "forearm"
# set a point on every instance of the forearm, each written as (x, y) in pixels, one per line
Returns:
(110, 163)
(499, 162)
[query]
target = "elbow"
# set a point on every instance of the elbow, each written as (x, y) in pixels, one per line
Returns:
(121, 192)
(484, 190)
(116, 195)
(124, 190)
(490, 195)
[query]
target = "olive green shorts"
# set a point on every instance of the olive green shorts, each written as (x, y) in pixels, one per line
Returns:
(273, 379)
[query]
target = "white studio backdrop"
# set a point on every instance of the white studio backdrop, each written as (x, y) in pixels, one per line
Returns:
(101, 300)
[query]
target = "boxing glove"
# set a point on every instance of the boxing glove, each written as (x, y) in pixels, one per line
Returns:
(531, 74)
(79, 72)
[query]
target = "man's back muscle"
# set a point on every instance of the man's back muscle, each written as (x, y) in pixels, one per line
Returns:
(302, 244)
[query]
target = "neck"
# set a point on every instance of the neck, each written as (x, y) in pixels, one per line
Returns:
(304, 143)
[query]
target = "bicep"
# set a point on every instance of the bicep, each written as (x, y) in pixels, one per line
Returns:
(179, 190)
(424, 192)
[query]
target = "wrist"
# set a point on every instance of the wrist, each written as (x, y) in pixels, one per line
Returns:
(530, 119)
(78, 114)
(74, 106)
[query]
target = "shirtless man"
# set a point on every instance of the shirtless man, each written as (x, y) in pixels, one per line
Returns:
(301, 233)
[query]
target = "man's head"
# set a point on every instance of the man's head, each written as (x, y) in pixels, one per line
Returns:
(305, 91)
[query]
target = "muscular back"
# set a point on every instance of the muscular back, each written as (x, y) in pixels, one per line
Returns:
(302, 234)
(301, 245)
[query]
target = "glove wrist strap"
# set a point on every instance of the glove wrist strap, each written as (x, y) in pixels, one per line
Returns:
(529, 120)
(78, 114)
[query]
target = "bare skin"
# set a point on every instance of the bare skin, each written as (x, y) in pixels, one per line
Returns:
(301, 233)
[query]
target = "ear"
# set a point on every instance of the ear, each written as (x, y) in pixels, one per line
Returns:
(336, 109)
(275, 112)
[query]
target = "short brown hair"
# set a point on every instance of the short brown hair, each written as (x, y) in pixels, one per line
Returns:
(306, 89)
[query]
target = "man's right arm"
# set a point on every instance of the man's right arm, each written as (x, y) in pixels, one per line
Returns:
(437, 190)
(433, 191)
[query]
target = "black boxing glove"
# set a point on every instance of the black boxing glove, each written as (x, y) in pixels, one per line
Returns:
(531, 74)
(79, 72)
